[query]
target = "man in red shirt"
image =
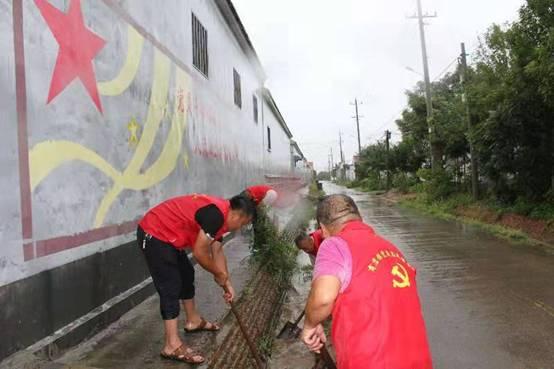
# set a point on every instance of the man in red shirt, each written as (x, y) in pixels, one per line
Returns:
(262, 194)
(370, 289)
(309, 243)
(165, 234)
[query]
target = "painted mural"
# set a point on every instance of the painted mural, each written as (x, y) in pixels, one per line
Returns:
(110, 122)
(168, 102)
(104, 116)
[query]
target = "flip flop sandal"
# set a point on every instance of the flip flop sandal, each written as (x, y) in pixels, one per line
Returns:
(184, 355)
(203, 327)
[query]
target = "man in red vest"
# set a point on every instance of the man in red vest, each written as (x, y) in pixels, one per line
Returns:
(309, 243)
(262, 194)
(165, 234)
(370, 289)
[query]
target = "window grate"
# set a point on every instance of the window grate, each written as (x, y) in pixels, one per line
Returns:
(238, 94)
(199, 46)
(255, 107)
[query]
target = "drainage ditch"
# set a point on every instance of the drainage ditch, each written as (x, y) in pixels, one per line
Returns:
(275, 295)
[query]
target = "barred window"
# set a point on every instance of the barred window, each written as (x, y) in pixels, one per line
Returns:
(255, 106)
(238, 94)
(199, 46)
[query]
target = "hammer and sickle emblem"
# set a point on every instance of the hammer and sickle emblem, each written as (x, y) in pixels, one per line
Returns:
(402, 279)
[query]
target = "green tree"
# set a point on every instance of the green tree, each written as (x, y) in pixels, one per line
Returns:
(511, 86)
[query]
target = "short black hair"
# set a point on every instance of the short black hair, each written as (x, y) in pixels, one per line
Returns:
(243, 204)
(334, 207)
(300, 238)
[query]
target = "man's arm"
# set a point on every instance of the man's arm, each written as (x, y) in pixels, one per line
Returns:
(202, 252)
(323, 294)
(331, 272)
(210, 219)
(221, 262)
(219, 256)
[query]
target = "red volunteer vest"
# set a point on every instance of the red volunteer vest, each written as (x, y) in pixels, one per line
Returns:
(377, 320)
(257, 193)
(173, 220)
(317, 236)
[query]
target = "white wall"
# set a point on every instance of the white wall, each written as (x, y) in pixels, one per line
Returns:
(81, 160)
(278, 159)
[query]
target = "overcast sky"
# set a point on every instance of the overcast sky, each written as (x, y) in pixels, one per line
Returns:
(321, 54)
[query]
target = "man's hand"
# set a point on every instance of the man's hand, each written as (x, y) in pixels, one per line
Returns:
(221, 279)
(229, 294)
(314, 337)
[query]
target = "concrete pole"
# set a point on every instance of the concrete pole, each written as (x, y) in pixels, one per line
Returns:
(420, 17)
(358, 126)
(387, 143)
(472, 153)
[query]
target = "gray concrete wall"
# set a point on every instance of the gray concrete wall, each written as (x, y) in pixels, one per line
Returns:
(78, 171)
(10, 214)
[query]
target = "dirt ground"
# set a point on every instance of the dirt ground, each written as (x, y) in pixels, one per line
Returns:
(537, 229)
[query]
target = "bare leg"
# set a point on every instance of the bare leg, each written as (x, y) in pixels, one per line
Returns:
(193, 318)
(172, 339)
(173, 342)
(192, 315)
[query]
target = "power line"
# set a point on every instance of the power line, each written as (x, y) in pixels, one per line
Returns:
(395, 116)
(445, 69)
(387, 122)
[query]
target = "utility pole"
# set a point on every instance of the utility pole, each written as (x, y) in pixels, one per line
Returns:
(332, 163)
(329, 163)
(387, 143)
(420, 17)
(341, 167)
(474, 164)
(340, 145)
(357, 117)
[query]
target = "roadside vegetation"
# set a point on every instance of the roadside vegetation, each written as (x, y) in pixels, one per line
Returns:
(509, 92)
(273, 250)
(275, 253)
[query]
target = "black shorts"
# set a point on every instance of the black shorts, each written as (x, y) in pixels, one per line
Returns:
(171, 271)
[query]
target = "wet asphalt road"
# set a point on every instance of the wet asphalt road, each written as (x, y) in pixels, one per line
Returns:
(488, 303)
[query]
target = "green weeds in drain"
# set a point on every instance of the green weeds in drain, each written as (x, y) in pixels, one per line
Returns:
(276, 253)
(273, 251)
(265, 344)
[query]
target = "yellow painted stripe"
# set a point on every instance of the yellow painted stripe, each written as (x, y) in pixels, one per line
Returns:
(123, 80)
(46, 156)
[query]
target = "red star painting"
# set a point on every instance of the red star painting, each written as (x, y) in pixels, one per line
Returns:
(78, 46)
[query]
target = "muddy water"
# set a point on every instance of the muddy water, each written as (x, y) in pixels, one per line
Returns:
(289, 354)
(488, 303)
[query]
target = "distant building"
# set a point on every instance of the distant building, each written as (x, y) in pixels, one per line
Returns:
(350, 172)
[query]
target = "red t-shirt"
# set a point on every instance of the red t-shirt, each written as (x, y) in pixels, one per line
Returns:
(317, 236)
(257, 193)
(377, 319)
(177, 221)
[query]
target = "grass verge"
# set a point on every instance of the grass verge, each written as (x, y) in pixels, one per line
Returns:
(446, 209)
